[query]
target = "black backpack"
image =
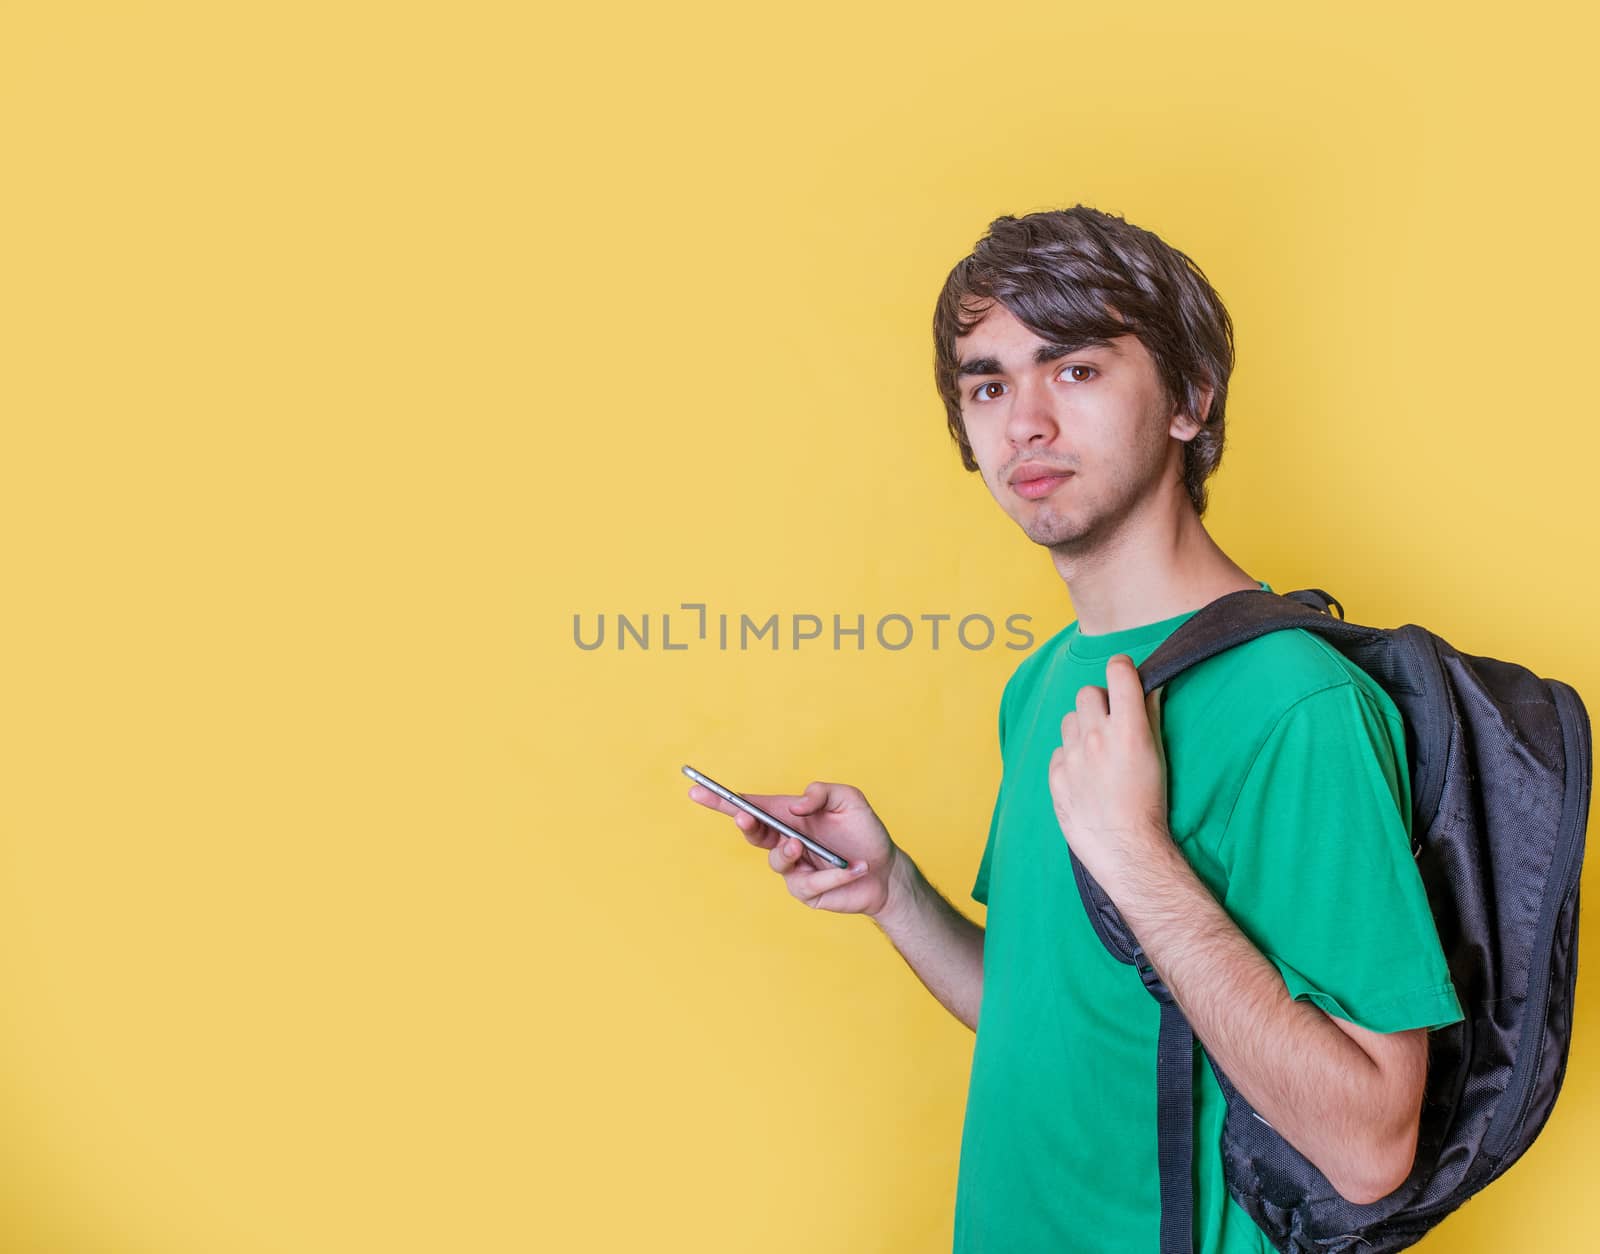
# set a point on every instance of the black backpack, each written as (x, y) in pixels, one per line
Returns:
(1500, 765)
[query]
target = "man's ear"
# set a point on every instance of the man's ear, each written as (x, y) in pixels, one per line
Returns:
(1184, 425)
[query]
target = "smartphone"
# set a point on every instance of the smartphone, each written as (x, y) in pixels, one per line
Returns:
(822, 851)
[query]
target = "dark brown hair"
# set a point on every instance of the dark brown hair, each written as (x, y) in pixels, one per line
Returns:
(1076, 276)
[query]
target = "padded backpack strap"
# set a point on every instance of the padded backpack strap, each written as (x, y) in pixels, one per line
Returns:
(1174, 1115)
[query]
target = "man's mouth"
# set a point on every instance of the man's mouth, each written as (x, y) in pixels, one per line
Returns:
(1033, 484)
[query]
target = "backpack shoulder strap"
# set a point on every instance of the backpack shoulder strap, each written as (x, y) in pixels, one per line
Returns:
(1215, 628)
(1241, 616)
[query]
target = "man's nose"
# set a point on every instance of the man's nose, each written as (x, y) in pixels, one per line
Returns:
(1031, 413)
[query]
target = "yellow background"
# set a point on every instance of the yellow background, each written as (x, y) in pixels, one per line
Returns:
(348, 351)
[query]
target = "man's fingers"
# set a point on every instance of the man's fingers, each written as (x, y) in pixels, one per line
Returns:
(1092, 703)
(818, 794)
(784, 853)
(772, 803)
(1124, 688)
(755, 831)
(809, 886)
(711, 801)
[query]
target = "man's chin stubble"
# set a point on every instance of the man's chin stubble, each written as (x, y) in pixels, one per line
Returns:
(1072, 535)
(1056, 532)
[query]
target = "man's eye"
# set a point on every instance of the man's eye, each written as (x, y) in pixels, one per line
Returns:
(981, 393)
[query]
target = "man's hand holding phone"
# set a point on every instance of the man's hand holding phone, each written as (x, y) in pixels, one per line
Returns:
(835, 816)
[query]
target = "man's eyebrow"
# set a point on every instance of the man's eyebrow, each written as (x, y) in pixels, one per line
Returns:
(1041, 355)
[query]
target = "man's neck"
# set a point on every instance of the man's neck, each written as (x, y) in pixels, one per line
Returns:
(1158, 565)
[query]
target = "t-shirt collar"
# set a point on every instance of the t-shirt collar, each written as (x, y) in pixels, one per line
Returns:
(1130, 639)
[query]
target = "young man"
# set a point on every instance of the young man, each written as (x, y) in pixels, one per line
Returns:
(1251, 822)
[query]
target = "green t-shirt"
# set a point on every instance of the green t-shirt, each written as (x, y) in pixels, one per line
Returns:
(1288, 792)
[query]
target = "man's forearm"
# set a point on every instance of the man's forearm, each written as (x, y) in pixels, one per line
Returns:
(1314, 1085)
(938, 942)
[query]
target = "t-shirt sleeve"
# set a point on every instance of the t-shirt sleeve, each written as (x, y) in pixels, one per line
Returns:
(980, 886)
(1320, 874)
